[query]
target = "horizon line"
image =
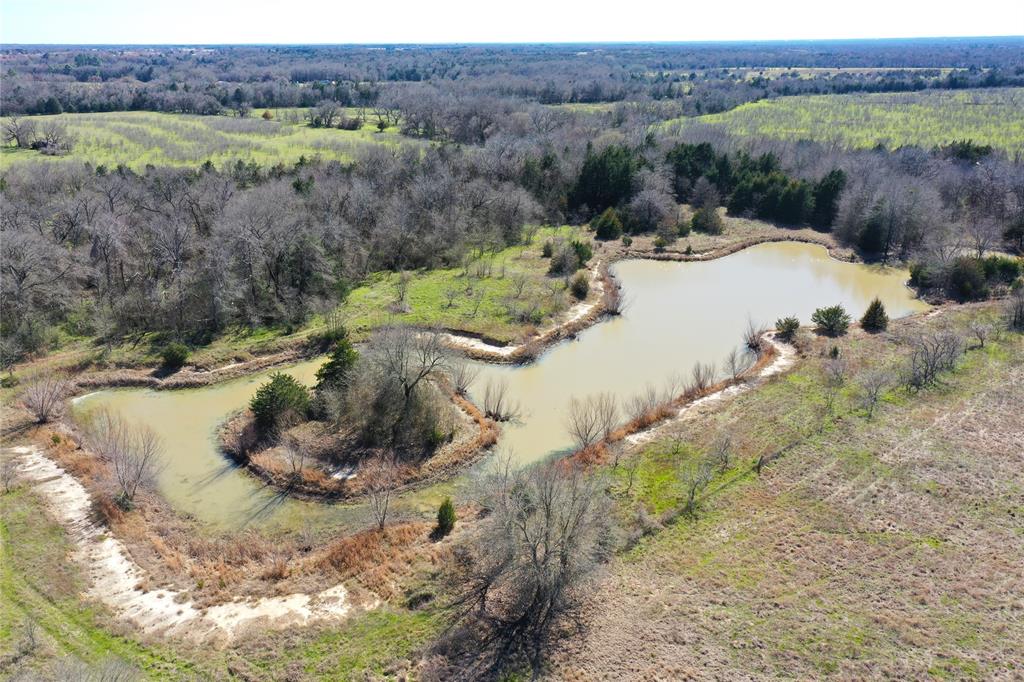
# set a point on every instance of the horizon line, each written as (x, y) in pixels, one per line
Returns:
(731, 41)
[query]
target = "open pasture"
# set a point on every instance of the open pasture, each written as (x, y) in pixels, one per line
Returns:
(994, 117)
(137, 139)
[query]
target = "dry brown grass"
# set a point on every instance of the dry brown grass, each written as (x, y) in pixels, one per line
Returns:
(889, 548)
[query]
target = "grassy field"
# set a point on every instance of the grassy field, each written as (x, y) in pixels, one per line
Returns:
(139, 138)
(994, 117)
(882, 548)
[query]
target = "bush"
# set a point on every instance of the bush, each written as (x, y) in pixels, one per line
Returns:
(832, 320)
(174, 355)
(659, 244)
(280, 403)
(1002, 269)
(967, 279)
(548, 249)
(608, 225)
(786, 328)
(564, 261)
(580, 285)
(683, 228)
(445, 518)
(707, 220)
(583, 251)
(921, 276)
(627, 241)
(875, 318)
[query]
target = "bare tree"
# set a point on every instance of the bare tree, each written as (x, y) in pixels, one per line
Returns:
(450, 295)
(295, 454)
(1015, 310)
(642, 403)
(21, 131)
(737, 363)
(526, 567)
(873, 384)
(583, 422)
(695, 473)
(497, 405)
(607, 409)
(381, 477)
(981, 330)
(44, 396)
(462, 373)
(930, 355)
(134, 451)
(518, 284)
(407, 357)
(753, 337)
(702, 376)
(835, 377)
(721, 451)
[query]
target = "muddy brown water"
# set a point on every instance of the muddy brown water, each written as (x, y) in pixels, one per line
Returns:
(678, 314)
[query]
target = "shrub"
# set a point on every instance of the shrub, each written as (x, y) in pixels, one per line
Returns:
(548, 249)
(921, 276)
(580, 285)
(1001, 268)
(174, 355)
(564, 261)
(608, 225)
(967, 279)
(583, 251)
(787, 327)
(627, 240)
(875, 318)
(445, 518)
(832, 320)
(280, 403)
(659, 244)
(707, 220)
(683, 228)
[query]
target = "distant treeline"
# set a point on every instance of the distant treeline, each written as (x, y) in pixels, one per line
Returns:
(698, 78)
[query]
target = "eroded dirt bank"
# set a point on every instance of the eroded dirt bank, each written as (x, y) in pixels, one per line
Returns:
(116, 581)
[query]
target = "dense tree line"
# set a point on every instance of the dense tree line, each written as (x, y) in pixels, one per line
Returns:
(700, 78)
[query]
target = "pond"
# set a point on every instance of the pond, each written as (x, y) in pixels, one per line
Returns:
(678, 314)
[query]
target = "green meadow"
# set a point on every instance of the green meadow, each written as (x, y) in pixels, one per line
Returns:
(994, 117)
(138, 138)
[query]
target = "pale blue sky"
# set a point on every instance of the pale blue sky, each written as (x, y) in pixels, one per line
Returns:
(425, 21)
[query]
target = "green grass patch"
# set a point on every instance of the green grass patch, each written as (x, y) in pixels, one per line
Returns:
(937, 117)
(140, 138)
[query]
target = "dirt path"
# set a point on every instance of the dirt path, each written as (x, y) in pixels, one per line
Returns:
(784, 359)
(116, 581)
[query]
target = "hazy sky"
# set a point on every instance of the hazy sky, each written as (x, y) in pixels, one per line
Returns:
(432, 21)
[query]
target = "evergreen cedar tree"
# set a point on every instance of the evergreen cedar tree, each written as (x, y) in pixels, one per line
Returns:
(279, 402)
(875, 318)
(445, 518)
(608, 225)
